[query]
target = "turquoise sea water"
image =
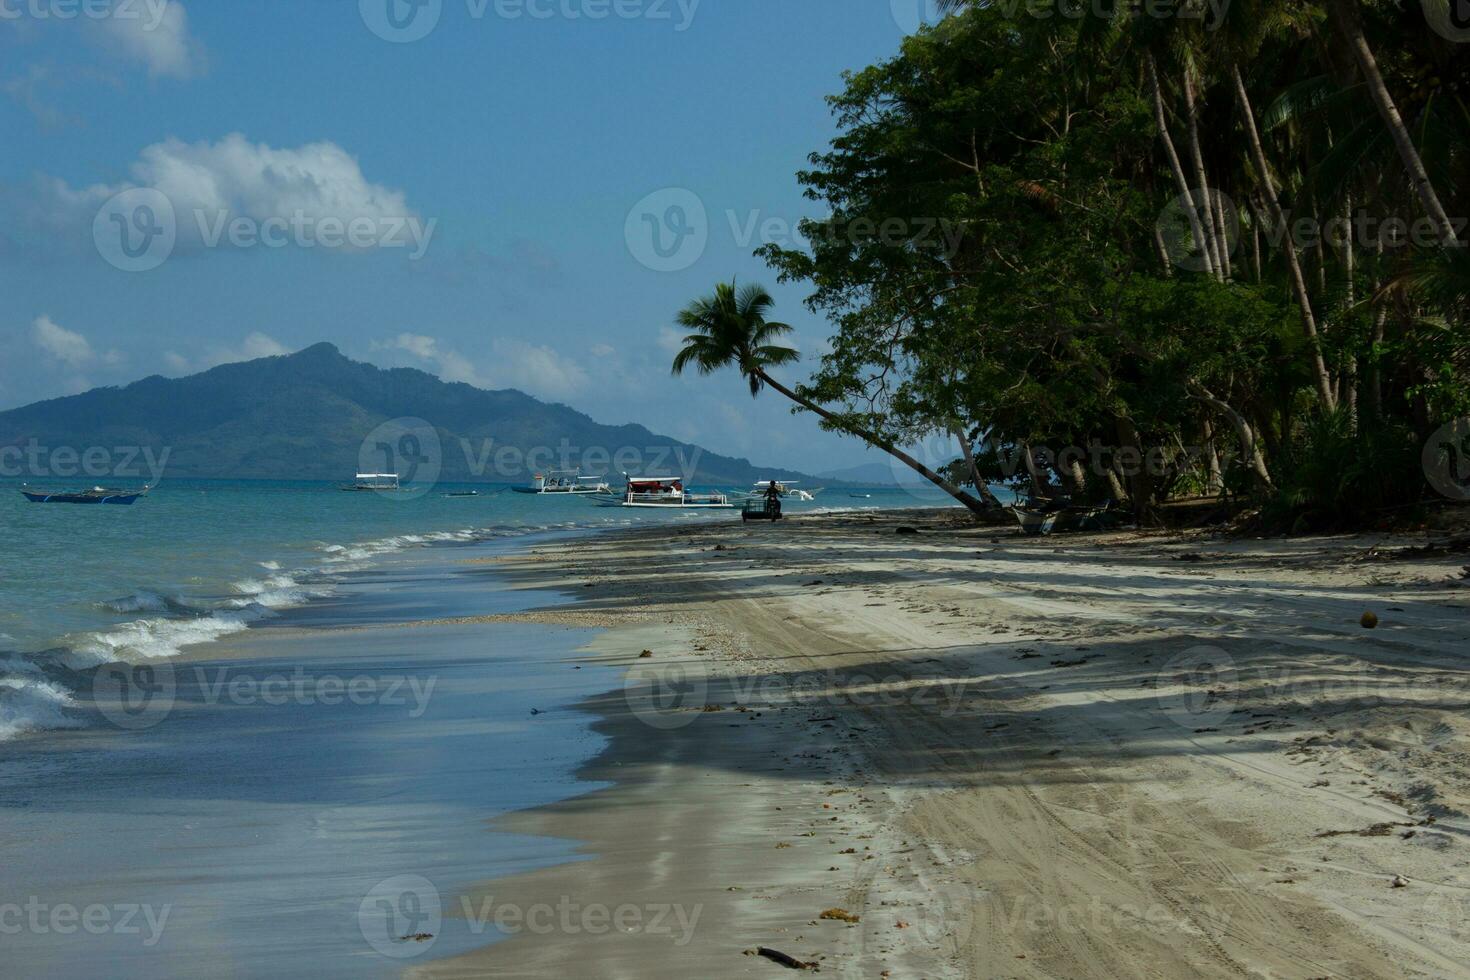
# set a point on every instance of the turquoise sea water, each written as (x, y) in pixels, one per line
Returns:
(198, 560)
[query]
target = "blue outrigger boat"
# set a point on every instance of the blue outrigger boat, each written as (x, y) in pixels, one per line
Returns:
(96, 495)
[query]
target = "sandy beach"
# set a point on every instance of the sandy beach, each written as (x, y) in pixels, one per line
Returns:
(991, 756)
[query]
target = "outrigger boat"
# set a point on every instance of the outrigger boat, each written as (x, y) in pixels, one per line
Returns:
(372, 481)
(786, 488)
(96, 495)
(566, 482)
(667, 492)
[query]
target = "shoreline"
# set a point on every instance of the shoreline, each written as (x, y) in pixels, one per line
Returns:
(1037, 816)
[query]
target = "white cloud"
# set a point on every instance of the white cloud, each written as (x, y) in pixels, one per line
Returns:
(534, 369)
(236, 178)
(602, 350)
(538, 370)
(68, 347)
(254, 346)
(670, 339)
(154, 33)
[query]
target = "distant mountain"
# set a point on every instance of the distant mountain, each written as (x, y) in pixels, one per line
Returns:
(317, 415)
(865, 475)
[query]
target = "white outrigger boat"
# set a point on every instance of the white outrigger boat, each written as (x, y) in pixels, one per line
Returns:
(786, 488)
(379, 482)
(667, 492)
(566, 482)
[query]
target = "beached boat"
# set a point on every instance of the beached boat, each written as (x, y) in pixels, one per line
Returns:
(667, 492)
(565, 482)
(786, 488)
(372, 481)
(96, 495)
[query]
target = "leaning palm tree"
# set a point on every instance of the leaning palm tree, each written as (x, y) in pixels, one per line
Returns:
(730, 328)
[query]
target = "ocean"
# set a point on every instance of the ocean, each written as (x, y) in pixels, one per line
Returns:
(310, 784)
(199, 560)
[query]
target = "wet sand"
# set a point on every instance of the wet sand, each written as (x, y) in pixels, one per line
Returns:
(1083, 756)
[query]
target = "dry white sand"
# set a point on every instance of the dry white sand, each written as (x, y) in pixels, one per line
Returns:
(1080, 756)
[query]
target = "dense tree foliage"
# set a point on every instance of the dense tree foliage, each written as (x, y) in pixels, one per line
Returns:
(1210, 252)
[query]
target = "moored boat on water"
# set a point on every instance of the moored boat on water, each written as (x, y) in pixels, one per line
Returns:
(565, 482)
(372, 481)
(667, 492)
(96, 495)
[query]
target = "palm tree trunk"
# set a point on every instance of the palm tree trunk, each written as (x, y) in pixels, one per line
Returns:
(1201, 182)
(1250, 448)
(1345, 15)
(1181, 182)
(1215, 481)
(1293, 261)
(975, 505)
(981, 487)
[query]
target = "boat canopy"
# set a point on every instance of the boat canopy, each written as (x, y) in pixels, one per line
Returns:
(650, 484)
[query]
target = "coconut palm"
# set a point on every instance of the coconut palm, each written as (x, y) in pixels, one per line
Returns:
(729, 328)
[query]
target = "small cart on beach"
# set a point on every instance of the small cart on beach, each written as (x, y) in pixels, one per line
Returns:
(761, 509)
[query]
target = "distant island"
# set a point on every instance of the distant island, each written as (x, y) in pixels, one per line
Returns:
(307, 416)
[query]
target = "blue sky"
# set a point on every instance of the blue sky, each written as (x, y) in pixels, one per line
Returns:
(500, 168)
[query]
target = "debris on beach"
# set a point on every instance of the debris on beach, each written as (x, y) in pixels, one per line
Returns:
(645, 653)
(784, 959)
(1368, 621)
(905, 529)
(1398, 881)
(840, 915)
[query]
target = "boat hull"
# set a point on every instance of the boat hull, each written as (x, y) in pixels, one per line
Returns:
(116, 499)
(678, 506)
